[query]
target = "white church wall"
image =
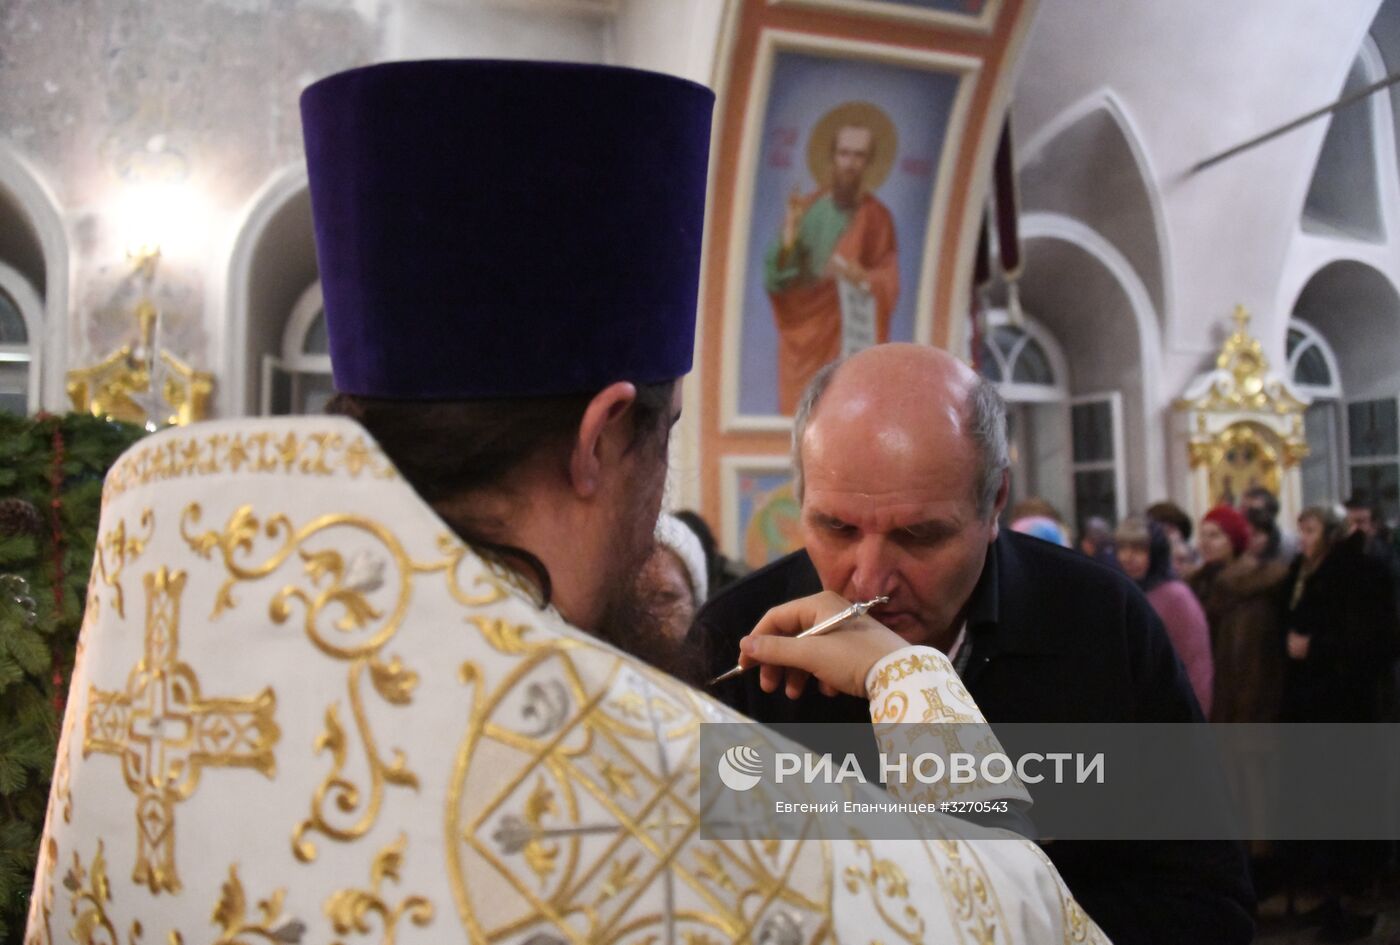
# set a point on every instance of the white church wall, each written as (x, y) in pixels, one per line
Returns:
(129, 112)
(167, 112)
(502, 29)
(675, 36)
(1202, 77)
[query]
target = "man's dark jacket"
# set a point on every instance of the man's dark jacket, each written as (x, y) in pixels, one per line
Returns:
(1055, 638)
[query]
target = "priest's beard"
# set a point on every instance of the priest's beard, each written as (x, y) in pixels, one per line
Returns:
(629, 623)
(628, 620)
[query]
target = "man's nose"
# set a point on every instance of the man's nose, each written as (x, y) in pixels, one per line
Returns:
(874, 572)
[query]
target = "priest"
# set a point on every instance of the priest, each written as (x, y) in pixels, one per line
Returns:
(382, 676)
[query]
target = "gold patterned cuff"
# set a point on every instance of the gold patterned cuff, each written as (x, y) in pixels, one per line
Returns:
(902, 664)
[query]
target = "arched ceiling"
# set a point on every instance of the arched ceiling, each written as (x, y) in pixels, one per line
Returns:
(1354, 307)
(1189, 79)
(1089, 171)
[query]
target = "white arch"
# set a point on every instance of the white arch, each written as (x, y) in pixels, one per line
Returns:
(1291, 291)
(1061, 227)
(304, 313)
(1107, 100)
(248, 230)
(49, 342)
(1312, 338)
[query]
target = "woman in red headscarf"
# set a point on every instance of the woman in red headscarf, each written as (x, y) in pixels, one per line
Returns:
(1238, 585)
(1222, 537)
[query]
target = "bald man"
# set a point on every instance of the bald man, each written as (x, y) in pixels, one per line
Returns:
(901, 459)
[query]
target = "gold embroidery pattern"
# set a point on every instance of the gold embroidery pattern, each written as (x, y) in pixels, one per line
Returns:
(496, 576)
(231, 916)
(312, 454)
(884, 880)
(905, 666)
(940, 711)
(121, 549)
(581, 827)
(349, 909)
(892, 708)
(40, 920)
(358, 631)
(91, 895)
(976, 909)
(342, 621)
(1078, 927)
(166, 733)
(63, 769)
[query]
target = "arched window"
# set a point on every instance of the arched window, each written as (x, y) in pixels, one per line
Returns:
(298, 381)
(21, 314)
(1018, 359)
(1312, 370)
(1065, 449)
(14, 357)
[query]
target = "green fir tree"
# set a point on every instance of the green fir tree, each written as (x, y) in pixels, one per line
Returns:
(51, 470)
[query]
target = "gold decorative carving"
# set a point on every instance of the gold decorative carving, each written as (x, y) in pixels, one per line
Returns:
(166, 733)
(349, 909)
(1243, 381)
(1265, 434)
(210, 454)
(1240, 456)
(119, 386)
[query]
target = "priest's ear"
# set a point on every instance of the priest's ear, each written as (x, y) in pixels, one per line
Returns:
(603, 435)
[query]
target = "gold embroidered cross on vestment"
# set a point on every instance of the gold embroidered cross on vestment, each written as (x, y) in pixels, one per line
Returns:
(166, 733)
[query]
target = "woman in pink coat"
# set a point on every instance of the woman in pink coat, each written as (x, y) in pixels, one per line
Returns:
(1145, 556)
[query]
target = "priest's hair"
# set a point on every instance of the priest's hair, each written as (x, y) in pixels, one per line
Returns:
(447, 449)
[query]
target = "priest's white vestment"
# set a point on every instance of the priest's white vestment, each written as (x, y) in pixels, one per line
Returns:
(303, 711)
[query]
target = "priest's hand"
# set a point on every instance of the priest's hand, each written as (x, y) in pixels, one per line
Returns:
(840, 658)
